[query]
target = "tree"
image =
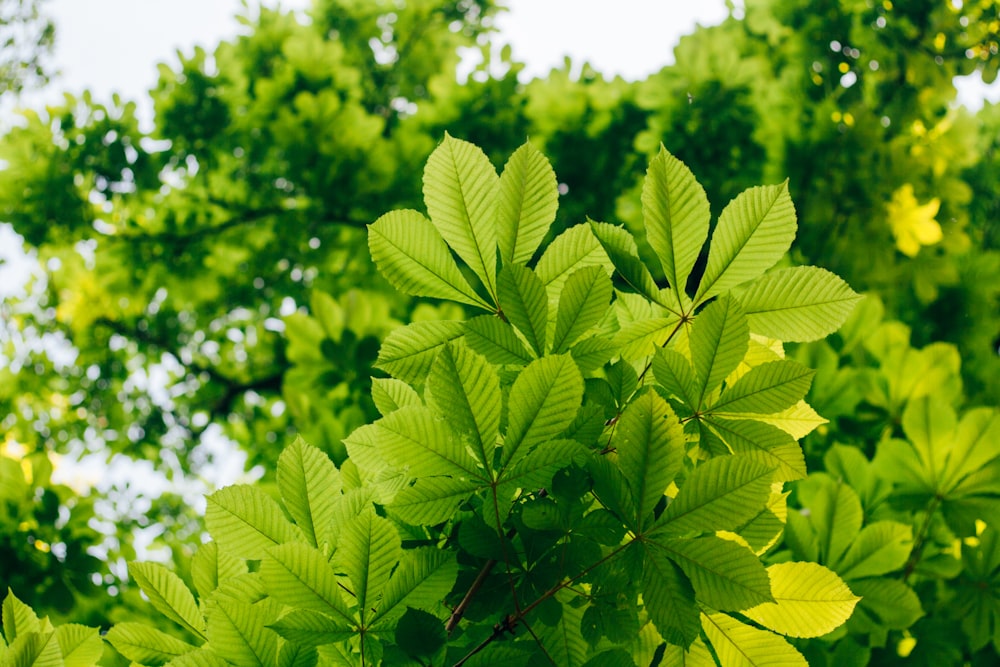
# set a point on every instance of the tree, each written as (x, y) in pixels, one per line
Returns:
(27, 37)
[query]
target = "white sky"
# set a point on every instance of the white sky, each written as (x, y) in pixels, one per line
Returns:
(114, 45)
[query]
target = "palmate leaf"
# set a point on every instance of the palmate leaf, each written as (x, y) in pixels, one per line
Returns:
(409, 352)
(753, 232)
(460, 191)
(582, 304)
(651, 446)
(169, 595)
(809, 601)
(308, 482)
(496, 340)
(766, 389)
(299, 576)
(543, 402)
(465, 389)
(719, 339)
(211, 566)
(834, 514)
(669, 599)
(976, 443)
(523, 301)
(725, 575)
(676, 216)
(413, 257)
(238, 630)
(145, 645)
(721, 494)
(798, 304)
(739, 645)
(368, 550)
(246, 522)
(574, 249)
(528, 200)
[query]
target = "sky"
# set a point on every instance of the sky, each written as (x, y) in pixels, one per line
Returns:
(114, 45)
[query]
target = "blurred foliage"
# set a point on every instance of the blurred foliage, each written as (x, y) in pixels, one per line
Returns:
(207, 281)
(26, 39)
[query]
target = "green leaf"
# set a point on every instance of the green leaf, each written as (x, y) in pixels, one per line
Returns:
(582, 304)
(676, 216)
(765, 389)
(765, 443)
(835, 512)
(408, 353)
(809, 601)
(697, 655)
(145, 645)
(563, 641)
(431, 500)
(972, 448)
(669, 599)
(33, 649)
(460, 191)
(798, 304)
(496, 340)
(311, 628)
(529, 198)
(592, 353)
(543, 402)
(753, 232)
(611, 487)
(673, 372)
(725, 575)
(719, 340)
(211, 566)
(465, 389)
(80, 646)
(523, 302)
(299, 576)
(169, 595)
(246, 522)
(574, 249)
(203, 657)
(888, 603)
(739, 645)
(536, 469)
(367, 552)
(413, 257)
(238, 630)
(420, 634)
(18, 618)
(624, 254)
(390, 394)
(650, 443)
(308, 482)
(291, 654)
(880, 548)
(721, 494)
(416, 439)
(422, 580)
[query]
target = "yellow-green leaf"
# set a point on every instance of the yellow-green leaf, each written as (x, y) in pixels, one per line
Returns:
(809, 601)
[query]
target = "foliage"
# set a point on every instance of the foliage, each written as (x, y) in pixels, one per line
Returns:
(27, 36)
(29, 640)
(594, 463)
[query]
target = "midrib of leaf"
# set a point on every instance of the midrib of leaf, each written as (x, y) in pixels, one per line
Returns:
(675, 555)
(490, 284)
(728, 492)
(247, 638)
(469, 292)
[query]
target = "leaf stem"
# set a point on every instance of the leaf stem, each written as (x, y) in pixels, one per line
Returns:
(921, 539)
